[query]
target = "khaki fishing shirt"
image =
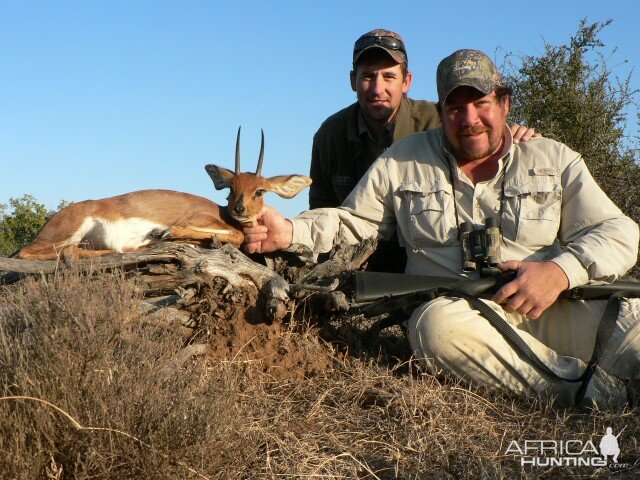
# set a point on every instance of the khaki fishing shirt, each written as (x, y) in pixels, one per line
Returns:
(549, 205)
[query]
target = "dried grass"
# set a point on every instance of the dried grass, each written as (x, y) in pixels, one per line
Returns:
(78, 346)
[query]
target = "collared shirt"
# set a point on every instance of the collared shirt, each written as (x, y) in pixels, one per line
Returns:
(375, 144)
(477, 202)
(552, 210)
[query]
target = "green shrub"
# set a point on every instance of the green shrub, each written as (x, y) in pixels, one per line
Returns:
(20, 224)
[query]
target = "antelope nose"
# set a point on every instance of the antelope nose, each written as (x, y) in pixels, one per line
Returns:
(238, 208)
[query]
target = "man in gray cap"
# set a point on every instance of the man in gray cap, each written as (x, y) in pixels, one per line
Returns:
(347, 143)
(558, 230)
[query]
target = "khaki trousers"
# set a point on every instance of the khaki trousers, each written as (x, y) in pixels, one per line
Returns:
(451, 337)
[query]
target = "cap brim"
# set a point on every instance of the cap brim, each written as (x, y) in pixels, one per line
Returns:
(470, 83)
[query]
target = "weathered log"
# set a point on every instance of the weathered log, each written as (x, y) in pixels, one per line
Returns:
(168, 266)
(342, 258)
(27, 266)
(325, 278)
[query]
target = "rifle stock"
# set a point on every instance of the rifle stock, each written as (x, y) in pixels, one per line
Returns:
(370, 286)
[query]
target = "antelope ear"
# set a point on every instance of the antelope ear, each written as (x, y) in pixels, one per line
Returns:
(288, 186)
(221, 177)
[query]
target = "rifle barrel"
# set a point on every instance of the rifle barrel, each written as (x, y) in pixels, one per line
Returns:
(370, 286)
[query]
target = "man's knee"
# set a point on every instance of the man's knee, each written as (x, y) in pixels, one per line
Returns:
(623, 351)
(434, 327)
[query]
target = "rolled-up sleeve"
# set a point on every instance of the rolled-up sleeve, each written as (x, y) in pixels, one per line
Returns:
(366, 213)
(600, 242)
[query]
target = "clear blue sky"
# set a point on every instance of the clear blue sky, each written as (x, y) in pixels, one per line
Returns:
(98, 98)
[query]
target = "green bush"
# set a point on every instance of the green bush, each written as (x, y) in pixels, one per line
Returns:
(21, 225)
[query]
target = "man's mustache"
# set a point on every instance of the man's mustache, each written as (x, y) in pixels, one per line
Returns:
(464, 131)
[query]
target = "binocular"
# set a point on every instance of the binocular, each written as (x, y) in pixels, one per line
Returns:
(480, 245)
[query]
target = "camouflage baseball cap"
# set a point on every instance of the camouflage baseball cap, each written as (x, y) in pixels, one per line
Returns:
(386, 40)
(468, 68)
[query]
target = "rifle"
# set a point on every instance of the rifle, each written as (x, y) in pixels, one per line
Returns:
(376, 293)
(371, 286)
(397, 294)
(481, 253)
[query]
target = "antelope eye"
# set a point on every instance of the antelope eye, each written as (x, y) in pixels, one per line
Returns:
(259, 193)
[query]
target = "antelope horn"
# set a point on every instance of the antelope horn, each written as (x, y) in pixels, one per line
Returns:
(238, 151)
(261, 157)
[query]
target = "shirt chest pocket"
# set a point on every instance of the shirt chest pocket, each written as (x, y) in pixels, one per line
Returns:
(533, 212)
(430, 212)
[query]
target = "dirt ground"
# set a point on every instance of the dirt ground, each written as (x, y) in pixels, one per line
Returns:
(231, 322)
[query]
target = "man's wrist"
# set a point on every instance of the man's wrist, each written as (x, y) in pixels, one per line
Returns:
(576, 274)
(561, 277)
(287, 235)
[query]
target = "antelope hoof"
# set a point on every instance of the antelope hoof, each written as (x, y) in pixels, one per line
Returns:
(161, 233)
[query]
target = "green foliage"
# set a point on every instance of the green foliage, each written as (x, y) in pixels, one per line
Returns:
(569, 93)
(21, 225)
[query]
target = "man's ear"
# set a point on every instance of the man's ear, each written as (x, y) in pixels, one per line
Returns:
(406, 84)
(352, 76)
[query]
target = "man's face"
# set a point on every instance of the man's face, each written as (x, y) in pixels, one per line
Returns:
(380, 86)
(474, 122)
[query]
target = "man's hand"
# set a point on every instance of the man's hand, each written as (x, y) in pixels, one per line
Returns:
(523, 134)
(270, 232)
(536, 286)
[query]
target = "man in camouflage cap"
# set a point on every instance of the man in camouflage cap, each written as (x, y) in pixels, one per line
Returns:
(558, 230)
(350, 140)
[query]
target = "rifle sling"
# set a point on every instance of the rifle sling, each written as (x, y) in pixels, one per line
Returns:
(605, 328)
(394, 303)
(391, 304)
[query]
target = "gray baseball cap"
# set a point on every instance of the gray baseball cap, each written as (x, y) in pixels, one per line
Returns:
(386, 40)
(467, 68)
